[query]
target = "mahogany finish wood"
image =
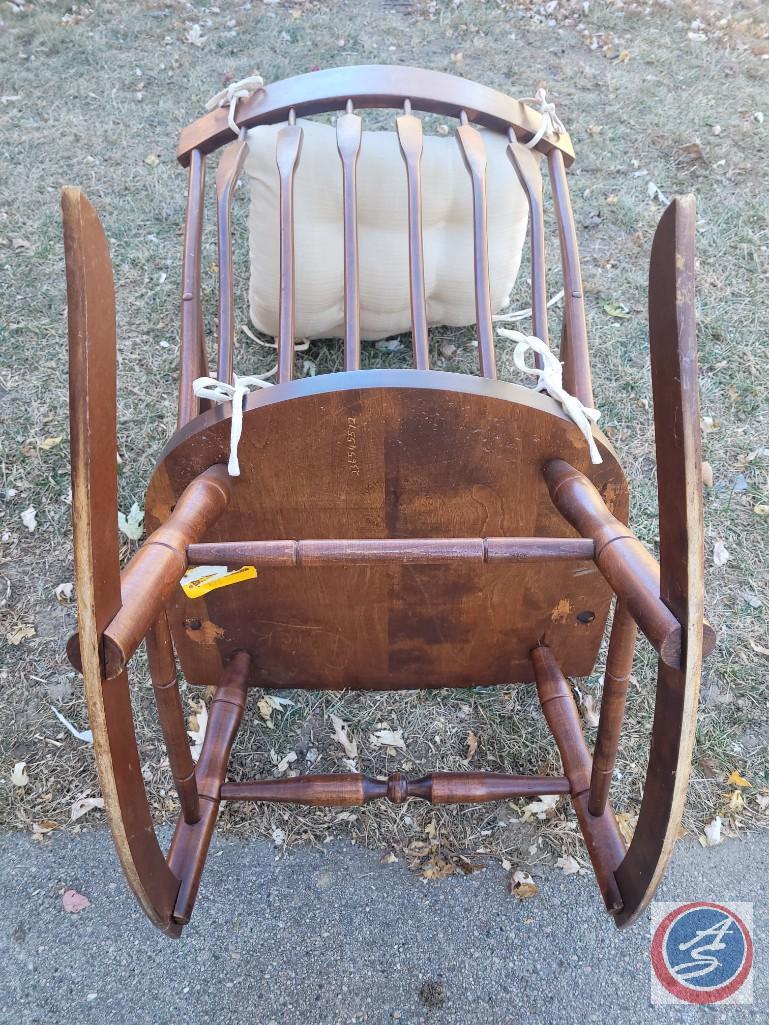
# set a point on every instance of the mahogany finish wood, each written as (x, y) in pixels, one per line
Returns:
(353, 789)
(474, 155)
(362, 551)
(162, 664)
(632, 571)
(432, 456)
(601, 832)
(673, 343)
(531, 184)
(288, 148)
(619, 665)
(93, 451)
(189, 847)
(576, 371)
(153, 574)
(191, 352)
(409, 130)
(373, 85)
(227, 174)
(349, 128)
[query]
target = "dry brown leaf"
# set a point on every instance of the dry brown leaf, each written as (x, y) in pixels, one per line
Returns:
(20, 633)
(48, 443)
(521, 885)
(83, 805)
(472, 744)
(589, 711)
(712, 833)
(342, 736)
(736, 780)
(197, 724)
(627, 822)
(388, 738)
(44, 826)
(707, 475)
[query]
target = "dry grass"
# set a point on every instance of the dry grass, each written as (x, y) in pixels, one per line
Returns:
(100, 87)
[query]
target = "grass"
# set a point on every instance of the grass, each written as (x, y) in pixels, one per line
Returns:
(91, 91)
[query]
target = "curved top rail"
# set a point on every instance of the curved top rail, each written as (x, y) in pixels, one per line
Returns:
(372, 85)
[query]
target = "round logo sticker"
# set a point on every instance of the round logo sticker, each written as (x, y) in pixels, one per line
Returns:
(702, 953)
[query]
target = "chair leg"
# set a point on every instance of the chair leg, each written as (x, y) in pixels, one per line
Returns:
(602, 836)
(189, 847)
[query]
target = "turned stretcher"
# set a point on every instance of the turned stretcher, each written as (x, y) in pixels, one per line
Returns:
(448, 530)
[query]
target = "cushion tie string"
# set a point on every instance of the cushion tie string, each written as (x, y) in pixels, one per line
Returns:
(550, 380)
(549, 123)
(235, 91)
(218, 391)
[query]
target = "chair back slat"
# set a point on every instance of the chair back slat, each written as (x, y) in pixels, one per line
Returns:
(348, 140)
(409, 130)
(474, 155)
(227, 174)
(531, 184)
(576, 357)
(287, 150)
(192, 355)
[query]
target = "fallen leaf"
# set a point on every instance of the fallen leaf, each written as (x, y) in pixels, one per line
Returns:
(29, 518)
(20, 243)
(20, 633)
(653, 191)
(736, 780)
(627, 822)
(712, 833)
(388, 738)
(388, 859)
(693, 151)
(763, 801)
(721, 554)
(618, 310)
(521, 885)
(133, 524)
(736, 802)
(63, 592)
(341, 736)
(74, 902)
(472, 745)
(569, 865)
(195, 36)
(540, 807)
(152, 159)
(48, 443)
(265, 711)
(83, 805)
(44, 827)
(197, 724)
(285, 761)
(761, 509)
(19, 777)
(759, 649)
(707, 475)
(589, 711)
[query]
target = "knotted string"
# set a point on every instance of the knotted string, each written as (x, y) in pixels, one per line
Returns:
(549, 123)
(218, 391)
(550, 380)
(235, 91)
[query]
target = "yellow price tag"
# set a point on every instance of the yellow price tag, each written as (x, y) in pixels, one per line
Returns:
(199, 580)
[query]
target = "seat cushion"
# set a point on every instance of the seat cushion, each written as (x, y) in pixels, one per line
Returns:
(383, 236)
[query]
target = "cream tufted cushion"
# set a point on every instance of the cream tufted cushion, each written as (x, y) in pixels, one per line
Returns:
(383, 238)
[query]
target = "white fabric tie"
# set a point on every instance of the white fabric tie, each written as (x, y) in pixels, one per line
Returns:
(549, 123)
(550, 380)
(235, 91)
(218, 391)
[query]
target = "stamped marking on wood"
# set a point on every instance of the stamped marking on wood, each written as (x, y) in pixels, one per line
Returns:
(352, 445)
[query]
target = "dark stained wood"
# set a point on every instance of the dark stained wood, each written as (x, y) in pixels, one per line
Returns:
(632, 571)
(162, 665)
(619, 665)
(531, 184)
(93, 450)
(473, 151)
(348, 140)
(673, 344)
(432, 455)
(352, 789)
(365, 550)
(602, 836)
(288, 147)
(153, 574)
(576, 371)
(372, 85)
(189, 847)
(409, 130)
(228, 172)
(191, 357)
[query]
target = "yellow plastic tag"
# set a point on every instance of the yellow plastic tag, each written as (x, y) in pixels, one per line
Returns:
(199, 580)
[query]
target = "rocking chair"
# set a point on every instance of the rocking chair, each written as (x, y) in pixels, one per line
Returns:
(449, 530)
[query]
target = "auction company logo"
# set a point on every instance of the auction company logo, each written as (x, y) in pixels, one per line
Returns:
(702, 953)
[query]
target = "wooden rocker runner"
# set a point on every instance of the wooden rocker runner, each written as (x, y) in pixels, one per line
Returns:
(448, 530)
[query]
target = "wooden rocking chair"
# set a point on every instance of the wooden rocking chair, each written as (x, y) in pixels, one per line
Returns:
(449, 530)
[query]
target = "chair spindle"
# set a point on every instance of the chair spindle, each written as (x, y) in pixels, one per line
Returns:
(409, 130)
(192, 362)
(227, 174)
(287, 151)
(532, 186)
(473, 151)
(348, 140)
